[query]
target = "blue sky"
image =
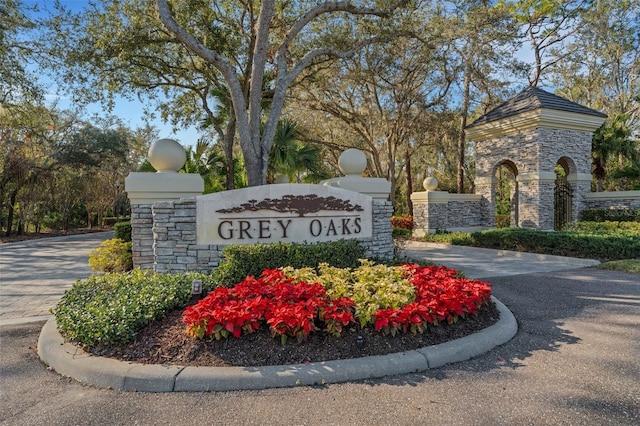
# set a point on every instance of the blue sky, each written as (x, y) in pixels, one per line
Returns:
(131, 112)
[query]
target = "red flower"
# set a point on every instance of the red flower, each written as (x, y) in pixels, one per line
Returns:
(291, 308)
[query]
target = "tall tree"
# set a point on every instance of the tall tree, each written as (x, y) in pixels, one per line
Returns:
(16, 82)
(548, 25)
(603, 64)
(382, 97)
(482, 39)
(601, 71)
(121, 48)
(285, 39)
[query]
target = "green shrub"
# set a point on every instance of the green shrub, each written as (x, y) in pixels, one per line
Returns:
(503, 220)
(401, 233)
(112, 256)
(602, 240)
(602, 246)
(111, 308)
(458, 238)
(605, 227)
(251, 259)
(616, 215)
(372, 287)
(122, 230)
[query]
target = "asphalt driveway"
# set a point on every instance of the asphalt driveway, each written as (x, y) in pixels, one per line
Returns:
(575, 360)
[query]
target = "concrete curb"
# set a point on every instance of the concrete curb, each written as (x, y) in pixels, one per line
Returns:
(71, 361)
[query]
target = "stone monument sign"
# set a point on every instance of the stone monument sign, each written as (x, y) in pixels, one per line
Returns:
(283, 213)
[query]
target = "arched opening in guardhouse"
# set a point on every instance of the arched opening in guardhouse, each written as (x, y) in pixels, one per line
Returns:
(506, 195)
(563, 194)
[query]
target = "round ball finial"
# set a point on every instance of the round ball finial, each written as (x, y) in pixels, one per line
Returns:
(166, 155)
(430, 183)
(352, 162)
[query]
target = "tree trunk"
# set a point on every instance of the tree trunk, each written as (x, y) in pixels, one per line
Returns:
(463, 124)
(12, 207)
(227, 146)
(409, 183)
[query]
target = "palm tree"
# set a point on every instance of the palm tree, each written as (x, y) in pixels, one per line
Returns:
(612, 140)
(205, 161)
(292, 158)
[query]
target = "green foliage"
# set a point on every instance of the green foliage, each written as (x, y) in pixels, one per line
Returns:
(401, 233)
(53, 221)
(599, 241)
(457, 238)
(602, 215)
(112, 256)
(110, 309)
(122, 231)
(625, 265)
(372, 287)
(607, 227)
(613, 140)
(503, 220)
(251, 259)
(293, 158)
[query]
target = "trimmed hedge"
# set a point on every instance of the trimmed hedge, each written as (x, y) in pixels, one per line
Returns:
(122, 230)
(111, 308)
(251, 259)
(602, 244)
(615, 215)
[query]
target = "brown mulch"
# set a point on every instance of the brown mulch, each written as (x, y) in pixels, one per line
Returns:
(165, 342)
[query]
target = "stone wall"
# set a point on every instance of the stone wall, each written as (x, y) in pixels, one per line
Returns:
(535, 150)
(142, 235)
(464, 214)
(613, 200)
(381, 243)
(440, 211)
(165, 237)
(174, 233)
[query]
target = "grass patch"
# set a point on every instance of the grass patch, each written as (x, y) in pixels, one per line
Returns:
(625, 265)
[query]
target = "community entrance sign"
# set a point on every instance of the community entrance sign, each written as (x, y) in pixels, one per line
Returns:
(283, 213)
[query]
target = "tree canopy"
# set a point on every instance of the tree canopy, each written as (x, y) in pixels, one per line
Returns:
(283, 87)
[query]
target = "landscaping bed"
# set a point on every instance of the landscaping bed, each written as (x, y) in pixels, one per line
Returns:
(165, 342)
(286, 316)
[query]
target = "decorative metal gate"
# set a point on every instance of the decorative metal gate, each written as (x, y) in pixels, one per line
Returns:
(562, 204)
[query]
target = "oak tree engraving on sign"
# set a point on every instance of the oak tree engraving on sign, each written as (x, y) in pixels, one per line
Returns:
(300, 204)
(286, 213)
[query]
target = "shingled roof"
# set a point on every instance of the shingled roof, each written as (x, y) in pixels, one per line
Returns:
(531, 99)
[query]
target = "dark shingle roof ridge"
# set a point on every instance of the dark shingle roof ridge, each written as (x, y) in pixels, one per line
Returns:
(530, 99)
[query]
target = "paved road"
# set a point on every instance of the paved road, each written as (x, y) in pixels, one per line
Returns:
(34, 274)
(575, 360)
